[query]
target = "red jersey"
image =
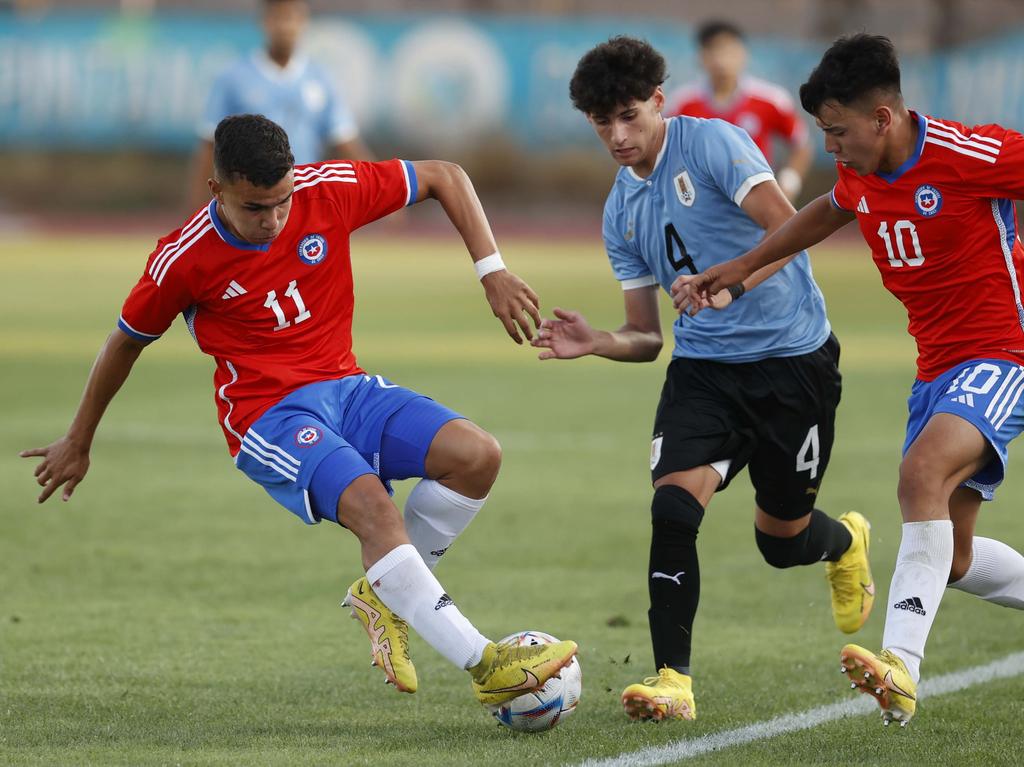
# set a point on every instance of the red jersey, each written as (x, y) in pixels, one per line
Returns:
(763, 110)
(277, 316)
(943, 232)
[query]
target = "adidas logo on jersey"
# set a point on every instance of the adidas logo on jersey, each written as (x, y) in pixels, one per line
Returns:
(234, 290)
(913, 604)
(862, 206)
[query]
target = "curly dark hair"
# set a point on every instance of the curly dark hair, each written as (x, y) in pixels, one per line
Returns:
(852, 68)
(709, 30)
(615, 73)
(251, 147)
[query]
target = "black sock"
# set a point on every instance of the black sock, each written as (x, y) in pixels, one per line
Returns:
(823, 540)
(673, 575)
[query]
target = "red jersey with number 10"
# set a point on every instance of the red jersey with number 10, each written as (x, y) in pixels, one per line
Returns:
(943, 232)
(277, 316)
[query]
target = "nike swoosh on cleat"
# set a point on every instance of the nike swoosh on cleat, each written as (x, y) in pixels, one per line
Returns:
(531, 682)
(894, 687)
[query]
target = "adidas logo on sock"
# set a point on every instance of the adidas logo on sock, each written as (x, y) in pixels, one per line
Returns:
(444, 601)
(913, 604)
(439, 553)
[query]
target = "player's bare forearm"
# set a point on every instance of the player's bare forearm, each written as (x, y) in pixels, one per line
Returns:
(108, 374)
(628, 344)
(66, 461)
(812, 224)
(512, 301)
(449, 184)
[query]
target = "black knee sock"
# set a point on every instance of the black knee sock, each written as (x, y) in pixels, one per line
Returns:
(673, 575)
(824, 539)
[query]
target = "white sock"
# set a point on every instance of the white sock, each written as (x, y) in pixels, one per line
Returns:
(410, 590)
(996, 574)
(434, 516)
(922, 569)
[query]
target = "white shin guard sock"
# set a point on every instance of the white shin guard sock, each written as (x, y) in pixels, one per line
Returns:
(922, 569)
(996, 574)
(410, 590)
(434, 516)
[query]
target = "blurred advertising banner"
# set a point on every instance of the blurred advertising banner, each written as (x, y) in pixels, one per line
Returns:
(100, 81)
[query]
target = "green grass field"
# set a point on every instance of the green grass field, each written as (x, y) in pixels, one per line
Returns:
(172, 614)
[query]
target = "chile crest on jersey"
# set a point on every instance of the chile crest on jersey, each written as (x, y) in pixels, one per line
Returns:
(313, 249)
(927, 200)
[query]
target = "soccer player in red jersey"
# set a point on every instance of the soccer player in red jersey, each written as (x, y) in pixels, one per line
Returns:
(263, 278)
(762, 109)
(934, 201)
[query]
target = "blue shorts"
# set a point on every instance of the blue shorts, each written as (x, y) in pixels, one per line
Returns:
(984, 392)
(311, 445)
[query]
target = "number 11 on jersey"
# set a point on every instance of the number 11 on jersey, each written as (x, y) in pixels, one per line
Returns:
(293, 293)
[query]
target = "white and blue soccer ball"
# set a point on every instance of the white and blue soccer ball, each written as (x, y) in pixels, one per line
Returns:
(544, 708)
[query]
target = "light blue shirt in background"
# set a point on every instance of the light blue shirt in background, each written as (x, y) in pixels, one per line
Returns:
(686, 217)
(301, 98)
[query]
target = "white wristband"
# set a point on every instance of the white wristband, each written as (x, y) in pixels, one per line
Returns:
(789, 182)
(491, 263)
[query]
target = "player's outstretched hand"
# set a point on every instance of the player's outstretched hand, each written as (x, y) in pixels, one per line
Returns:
(687, 299)
(64, 463)
(564, 338)
(513, 302)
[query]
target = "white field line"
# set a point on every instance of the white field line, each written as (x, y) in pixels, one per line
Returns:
(1010, 666)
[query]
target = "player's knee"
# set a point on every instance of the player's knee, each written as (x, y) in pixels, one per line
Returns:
(675, 513)
(366, 509)
(465, 457)
(782, 552)
(917, 481)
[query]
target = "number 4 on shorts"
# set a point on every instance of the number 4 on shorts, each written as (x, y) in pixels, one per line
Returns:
(808, 458)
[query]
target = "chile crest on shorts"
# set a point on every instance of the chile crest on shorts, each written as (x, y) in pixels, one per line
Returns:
(312, 249)
(307, 436)
(927, 200)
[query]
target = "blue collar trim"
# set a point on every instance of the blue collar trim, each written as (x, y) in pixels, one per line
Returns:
(228, 237)
(911, 161)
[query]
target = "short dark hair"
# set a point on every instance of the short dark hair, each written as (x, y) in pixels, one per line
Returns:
(709, 30)
(854, 67)
(251, 147)
(614, 73)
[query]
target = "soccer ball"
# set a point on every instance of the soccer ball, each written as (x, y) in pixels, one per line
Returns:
(544, 708)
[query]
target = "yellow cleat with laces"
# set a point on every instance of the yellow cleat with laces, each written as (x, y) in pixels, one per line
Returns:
(507, 670)
(669, 695)
(853, 590)
(883, 676)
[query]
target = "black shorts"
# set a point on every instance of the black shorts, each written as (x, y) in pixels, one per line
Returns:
(776, 415)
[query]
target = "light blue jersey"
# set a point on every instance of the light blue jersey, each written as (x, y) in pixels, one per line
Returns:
(686, 217)
(300, 98)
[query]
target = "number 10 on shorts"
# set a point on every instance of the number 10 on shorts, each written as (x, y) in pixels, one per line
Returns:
(808, 456)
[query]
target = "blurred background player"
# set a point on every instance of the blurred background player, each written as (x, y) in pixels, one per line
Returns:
(283, 83)
(756, 384)
(263, 278)
(934, 201)
(762, 109)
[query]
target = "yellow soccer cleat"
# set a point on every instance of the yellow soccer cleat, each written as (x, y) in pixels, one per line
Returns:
(506, 670)
(883, 676)
(669, 695)
(389, 635)
(853, 590)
